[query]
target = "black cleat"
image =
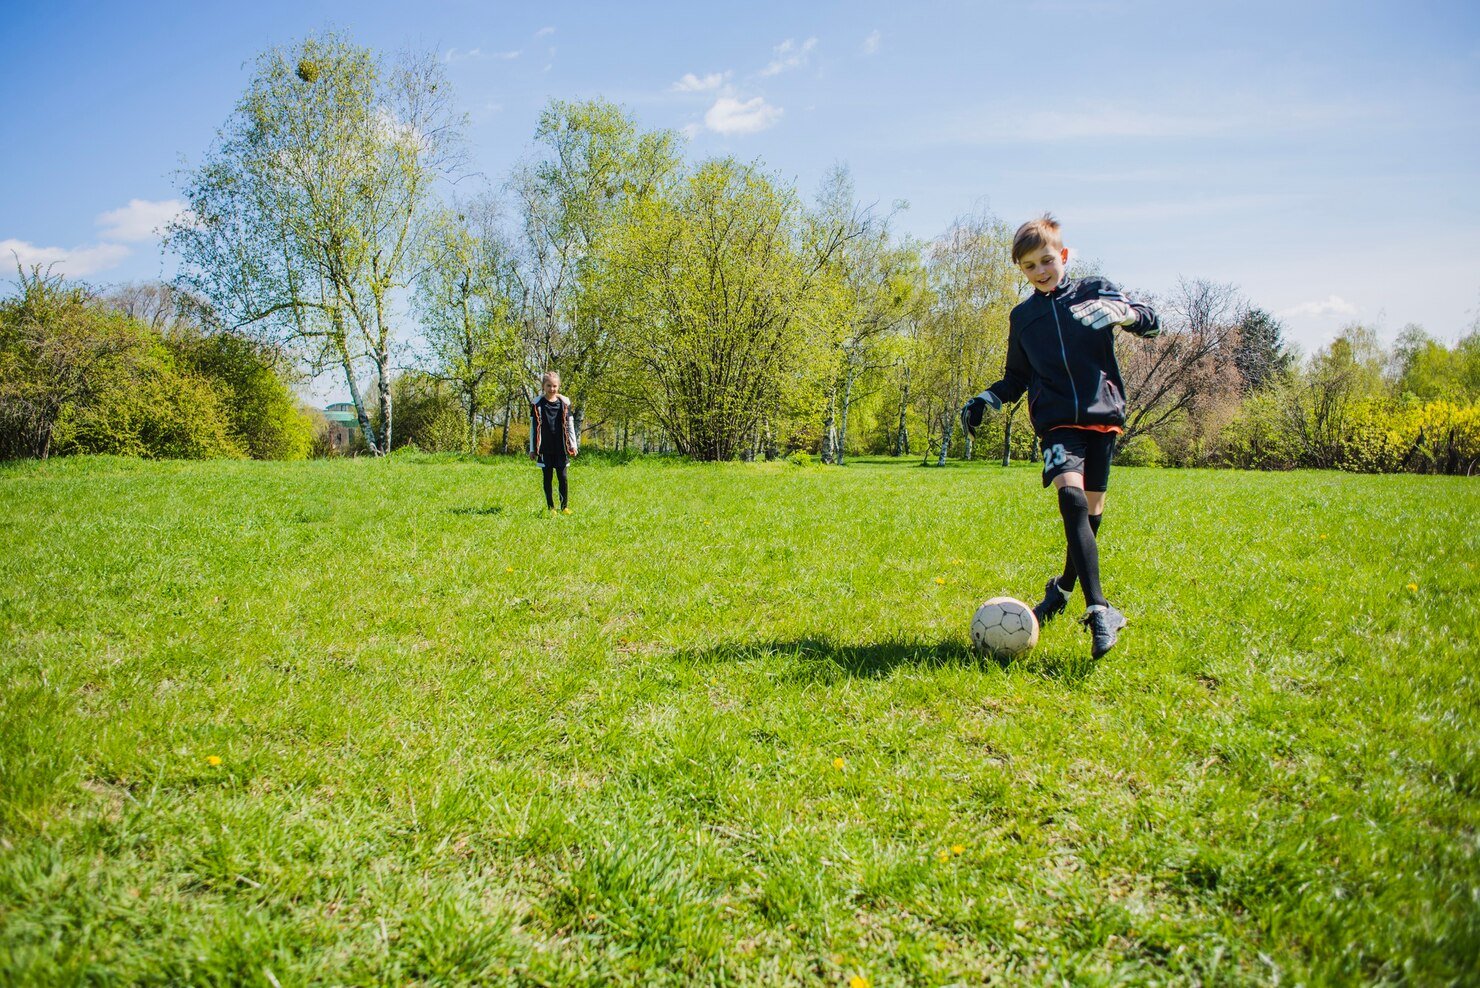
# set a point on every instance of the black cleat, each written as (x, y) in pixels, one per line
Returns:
(1104, 624)
(1055, 601)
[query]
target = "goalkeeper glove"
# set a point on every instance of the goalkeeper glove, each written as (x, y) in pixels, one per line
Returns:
(973, 410)
(1099, 313)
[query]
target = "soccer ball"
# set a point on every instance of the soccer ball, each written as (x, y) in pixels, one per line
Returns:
(1004, 628)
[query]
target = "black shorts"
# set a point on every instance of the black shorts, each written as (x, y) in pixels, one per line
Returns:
(1081, 451)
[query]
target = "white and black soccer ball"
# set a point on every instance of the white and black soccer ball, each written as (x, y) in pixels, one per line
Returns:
(1004, 628)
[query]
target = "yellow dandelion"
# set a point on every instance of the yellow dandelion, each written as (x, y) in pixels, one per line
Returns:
(508, 569)
(838, 764)
(1413, 587)
(944, 855)
(941, 580)
(958, 849)
(1323, 535)
(859, 981)
(213, 760)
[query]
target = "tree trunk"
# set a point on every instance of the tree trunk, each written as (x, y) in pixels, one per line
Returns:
(1007, 437)
(842, 449)
(902, 437)
(354, 395)
(383, 388)
(508, 411)
(947, 432)
(829, 429)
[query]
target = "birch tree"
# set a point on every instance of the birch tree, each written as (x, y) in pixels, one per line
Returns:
(304, 218)
(466, 298)
(963, 341)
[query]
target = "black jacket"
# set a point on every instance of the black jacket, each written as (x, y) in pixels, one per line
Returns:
(1068, 369)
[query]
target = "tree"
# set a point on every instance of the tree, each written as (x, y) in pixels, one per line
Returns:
(722, 287)
(874, 284)
(304, 219)
(59, 351)
(1260, 353)
(594, 167)
(1190, 363)
(962, 342)
(466, 297)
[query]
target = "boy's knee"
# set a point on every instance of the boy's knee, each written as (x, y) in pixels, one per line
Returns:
(1072, 500)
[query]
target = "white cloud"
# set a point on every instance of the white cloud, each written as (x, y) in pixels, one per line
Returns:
(691, 83)
(789, 55)
(544, 31)
(690, 130)
(730, 116)
(457, 55)
(872, 42)
(139, 220)
(1331, 305)
(74, 262)
(506, 55)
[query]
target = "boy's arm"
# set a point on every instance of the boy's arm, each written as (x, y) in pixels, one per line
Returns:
(1112, 307)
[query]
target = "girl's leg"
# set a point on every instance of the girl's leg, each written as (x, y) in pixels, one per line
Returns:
(549, 472)
(564, 486)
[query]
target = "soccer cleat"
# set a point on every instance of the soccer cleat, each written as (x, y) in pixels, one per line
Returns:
(1104, 623)
(1055, 600)
(566, 511)
(553, 512)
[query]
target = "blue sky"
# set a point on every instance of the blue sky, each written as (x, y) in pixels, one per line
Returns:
(1324, 157)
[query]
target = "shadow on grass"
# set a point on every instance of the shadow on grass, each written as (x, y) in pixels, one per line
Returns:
(493, 510)
(820, 660)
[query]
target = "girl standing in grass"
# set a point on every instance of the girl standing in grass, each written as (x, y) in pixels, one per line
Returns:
(552, 438)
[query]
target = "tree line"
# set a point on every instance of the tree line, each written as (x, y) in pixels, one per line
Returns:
(708, 308)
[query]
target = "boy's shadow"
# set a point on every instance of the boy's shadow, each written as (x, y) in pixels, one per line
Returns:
(820, 660)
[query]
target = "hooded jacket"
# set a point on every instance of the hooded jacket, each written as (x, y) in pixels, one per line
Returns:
(1068, 370)
(567, 431)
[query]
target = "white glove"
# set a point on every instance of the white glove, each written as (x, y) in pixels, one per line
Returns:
(1098, 313)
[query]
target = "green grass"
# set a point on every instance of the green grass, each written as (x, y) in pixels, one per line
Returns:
(461, 741)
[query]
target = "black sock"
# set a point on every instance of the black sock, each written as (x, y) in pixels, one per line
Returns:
(1080, 534)
(1071, 575)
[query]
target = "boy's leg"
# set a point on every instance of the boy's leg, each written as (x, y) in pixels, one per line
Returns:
(564, 486)
(1096, 502)
(549, 472)
(1083, 552)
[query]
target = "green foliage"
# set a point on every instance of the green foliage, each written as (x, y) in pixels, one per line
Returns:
(722, 726)
(263, 415)
(1140, 451)
(722, 296)
(431, 417)
(159, 411)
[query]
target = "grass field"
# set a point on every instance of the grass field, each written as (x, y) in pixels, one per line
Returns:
(387, 722)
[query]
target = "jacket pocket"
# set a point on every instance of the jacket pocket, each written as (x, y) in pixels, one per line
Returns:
(1107, 400)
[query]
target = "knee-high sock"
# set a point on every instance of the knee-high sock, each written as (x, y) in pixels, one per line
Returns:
(1081, 538)
(1071, 575)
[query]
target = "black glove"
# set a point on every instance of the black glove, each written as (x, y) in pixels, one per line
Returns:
(973, 410)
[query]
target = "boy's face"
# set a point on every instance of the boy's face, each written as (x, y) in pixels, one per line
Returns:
(1044, 267)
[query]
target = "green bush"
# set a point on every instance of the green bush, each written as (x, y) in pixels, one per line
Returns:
(263, 415)
(156, 411)
(427, 415)
(1140, 451)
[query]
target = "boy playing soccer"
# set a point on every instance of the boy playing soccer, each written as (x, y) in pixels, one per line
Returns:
(1061, 351)
(552, 439)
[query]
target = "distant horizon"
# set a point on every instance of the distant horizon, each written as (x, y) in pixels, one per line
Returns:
(1308, 154)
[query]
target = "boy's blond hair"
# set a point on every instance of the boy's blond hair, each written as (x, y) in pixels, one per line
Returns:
(1036, 233)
